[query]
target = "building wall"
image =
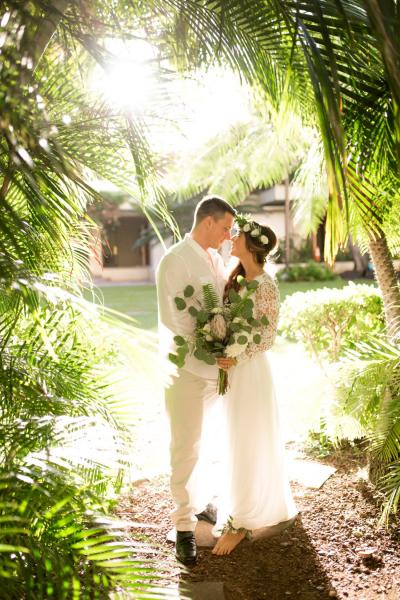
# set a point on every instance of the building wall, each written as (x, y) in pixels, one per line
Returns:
(121, 237)
(126, 263)
(116, 259)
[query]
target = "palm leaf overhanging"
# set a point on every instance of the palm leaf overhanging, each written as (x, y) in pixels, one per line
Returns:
(334, 59)
(64, 436)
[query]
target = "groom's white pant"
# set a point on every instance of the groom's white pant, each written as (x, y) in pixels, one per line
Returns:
(189, 401)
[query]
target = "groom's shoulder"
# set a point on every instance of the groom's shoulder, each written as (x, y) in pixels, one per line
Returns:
(178, 249)
(174, 253)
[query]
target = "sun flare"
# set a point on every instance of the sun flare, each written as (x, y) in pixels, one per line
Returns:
(128, 77)
(186, 109)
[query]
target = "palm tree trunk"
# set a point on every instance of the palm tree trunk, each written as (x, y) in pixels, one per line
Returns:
(360, 260)
(47, 28)
(388, 284)
(35, 42)
(34, 46)
(287, 222)
(387, 281)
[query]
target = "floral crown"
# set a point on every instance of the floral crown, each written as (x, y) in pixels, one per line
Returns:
(244, 224)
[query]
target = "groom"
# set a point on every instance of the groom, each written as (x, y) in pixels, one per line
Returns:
(193, 261)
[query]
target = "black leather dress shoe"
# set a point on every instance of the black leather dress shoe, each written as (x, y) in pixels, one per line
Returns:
(185, 548)
(209, 514)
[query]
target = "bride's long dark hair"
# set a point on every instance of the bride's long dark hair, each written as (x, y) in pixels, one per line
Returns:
(259, 250)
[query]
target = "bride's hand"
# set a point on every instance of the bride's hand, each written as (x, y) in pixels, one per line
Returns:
(226, 363)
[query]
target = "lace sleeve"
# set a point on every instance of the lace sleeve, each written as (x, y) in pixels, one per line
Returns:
(266, 302)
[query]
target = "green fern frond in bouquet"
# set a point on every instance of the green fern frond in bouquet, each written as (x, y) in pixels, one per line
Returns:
(210, 297)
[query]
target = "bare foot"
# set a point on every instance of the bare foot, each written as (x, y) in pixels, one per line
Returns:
(228, 542)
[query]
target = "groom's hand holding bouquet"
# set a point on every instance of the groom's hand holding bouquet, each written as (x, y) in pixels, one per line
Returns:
(221, 333)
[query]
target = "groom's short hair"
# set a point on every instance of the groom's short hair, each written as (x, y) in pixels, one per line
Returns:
(213, 206)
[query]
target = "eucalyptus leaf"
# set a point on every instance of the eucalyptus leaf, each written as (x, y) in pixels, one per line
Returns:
(188, 291)
(233, 295)
(173, 358)
(242, 339)
(193, 311)
(202, 317)
(182, 352)
(248, 308)
(254, 322)
(179, 340)
(180, 303)
(210, 359)
(200, 354)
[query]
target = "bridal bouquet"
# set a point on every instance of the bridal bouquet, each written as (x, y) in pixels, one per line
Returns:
(218, 330)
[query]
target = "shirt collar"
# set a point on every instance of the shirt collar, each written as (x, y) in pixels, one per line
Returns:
(197, 248)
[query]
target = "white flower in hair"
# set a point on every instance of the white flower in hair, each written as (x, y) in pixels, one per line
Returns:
(255, 232)
(246, 228)
(264, 239)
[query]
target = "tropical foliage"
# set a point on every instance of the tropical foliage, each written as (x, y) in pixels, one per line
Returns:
(63, 430)
(334, 62)
(330, 321)
(312, 271)
(367, 392)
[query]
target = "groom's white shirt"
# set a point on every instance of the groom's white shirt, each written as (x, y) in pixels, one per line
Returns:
(186, 263)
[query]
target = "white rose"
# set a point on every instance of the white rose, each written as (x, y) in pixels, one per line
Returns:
(209, 338)
(255, 232)
(236, 320)
(207, 327)
(233, 350)
(246, 228)
(264, 239)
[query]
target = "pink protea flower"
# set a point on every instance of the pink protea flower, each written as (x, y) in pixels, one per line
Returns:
(218, 327)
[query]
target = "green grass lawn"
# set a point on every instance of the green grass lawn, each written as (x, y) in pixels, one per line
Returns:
(136, 301)
(140, 301)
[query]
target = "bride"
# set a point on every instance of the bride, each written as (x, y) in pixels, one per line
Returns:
(256, 491)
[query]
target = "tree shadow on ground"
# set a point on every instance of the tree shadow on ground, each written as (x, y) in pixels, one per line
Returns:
(284, 566)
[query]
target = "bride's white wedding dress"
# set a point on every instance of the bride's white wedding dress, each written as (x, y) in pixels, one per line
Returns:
(255, 490)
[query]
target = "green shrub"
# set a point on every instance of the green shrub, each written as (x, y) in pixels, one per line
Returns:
(312, 271)
(328, 321)
(367, 390)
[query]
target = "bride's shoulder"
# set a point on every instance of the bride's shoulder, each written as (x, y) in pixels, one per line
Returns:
(268, 287)
(266, 278)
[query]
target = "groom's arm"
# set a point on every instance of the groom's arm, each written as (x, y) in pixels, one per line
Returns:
(172, 278)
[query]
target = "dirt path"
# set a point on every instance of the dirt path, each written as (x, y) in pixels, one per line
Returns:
(321, 556)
